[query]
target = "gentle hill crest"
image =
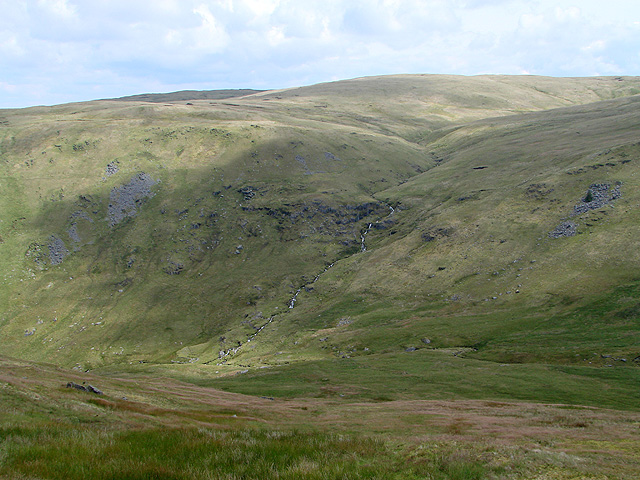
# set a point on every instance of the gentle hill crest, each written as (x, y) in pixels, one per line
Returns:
(186, 95)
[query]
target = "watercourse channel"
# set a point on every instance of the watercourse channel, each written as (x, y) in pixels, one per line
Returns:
(225, 354)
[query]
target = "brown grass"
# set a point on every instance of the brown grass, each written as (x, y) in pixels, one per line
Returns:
(603, 439)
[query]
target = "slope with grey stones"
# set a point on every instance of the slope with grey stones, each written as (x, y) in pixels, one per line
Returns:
(125, 199)
(598, 196)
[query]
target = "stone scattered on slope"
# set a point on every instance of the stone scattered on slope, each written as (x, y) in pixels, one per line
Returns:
(112, 168)
(598, 195)
(84, 388)
(72, 231)
(435, 234)
(57, 250)
(565, 229)
(125, 199)
(173, 268)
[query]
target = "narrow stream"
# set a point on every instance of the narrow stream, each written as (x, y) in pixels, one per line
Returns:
(292, 303)
(363, 235)
(363, 247)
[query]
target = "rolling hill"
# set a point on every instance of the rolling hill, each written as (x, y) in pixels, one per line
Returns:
(144, 232)
(368, 245)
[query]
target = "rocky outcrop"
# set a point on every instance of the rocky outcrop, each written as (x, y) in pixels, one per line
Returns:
(125, 200)
(84, 388)
(112, 168)
(316, 217)
(598, 195)
(173, 268)
(565, 229)
(436, 233)
(57, 250)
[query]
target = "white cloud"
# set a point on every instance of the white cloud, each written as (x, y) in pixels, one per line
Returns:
(595, 46)
(275, 36)
(58, 8)
(9, 45)
(261, 8)
(210, 36)
(173, 38)
(8, 87)
(567, 14)
(63, 48)
(533, 22)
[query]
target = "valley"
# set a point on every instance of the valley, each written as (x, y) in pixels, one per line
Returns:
(436, 271)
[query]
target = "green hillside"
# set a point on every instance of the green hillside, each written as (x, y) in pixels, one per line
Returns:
(347, 219)
(412, 276)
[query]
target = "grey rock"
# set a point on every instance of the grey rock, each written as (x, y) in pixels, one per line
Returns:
(300, 159)
(73, 232)
(565, 229)
(435, 234)
(81, 214)
(92, 389)
(343, 321)
(125, 200)
(57, 250)
(598, 195)
(112, 168)
(83, 388)
(173, 268)
(77, 386)
(247, 192)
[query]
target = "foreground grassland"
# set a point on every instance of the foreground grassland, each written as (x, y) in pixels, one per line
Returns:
(394, 277)
(146, 427)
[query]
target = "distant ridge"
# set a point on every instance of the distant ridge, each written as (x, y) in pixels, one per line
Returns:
(186, 95)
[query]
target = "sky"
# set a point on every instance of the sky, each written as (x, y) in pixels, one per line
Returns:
(60, 51)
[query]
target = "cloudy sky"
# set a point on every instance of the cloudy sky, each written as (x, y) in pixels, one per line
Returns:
(58, 51)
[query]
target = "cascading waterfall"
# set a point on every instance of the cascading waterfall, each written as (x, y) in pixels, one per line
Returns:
(292, 303)
(363, 246)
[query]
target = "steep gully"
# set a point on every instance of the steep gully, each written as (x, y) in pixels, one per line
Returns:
(224, 355)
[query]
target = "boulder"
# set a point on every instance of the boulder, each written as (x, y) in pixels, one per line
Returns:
(84, 388)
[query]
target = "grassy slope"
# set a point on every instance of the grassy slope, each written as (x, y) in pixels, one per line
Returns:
(493, 222)
(309, 157)
(150, 427)
(537, 167)
(576, 296)
(201, 166)
(412, 106)
(397, 360)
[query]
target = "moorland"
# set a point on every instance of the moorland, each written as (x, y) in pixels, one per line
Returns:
(410, 276)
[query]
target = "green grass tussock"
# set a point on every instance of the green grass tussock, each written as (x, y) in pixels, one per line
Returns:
(211, 454)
